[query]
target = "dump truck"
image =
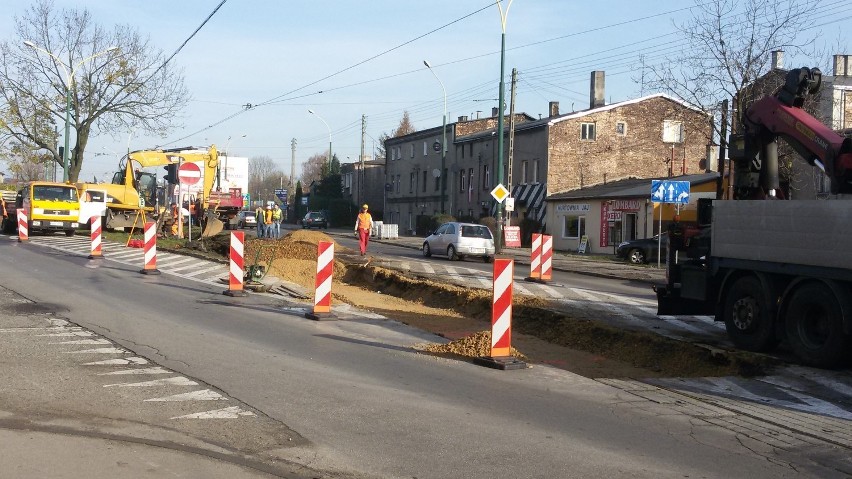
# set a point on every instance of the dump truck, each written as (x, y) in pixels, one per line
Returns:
(773, 270)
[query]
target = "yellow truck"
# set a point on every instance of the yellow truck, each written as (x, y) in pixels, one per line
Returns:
(50, 207)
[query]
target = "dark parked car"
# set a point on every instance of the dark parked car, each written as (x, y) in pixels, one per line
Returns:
(640, 251)
(314, 219)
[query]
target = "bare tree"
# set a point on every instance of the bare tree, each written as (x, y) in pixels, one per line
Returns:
(265, 177)
(313, 170)
(405, 127)
(27, 164)
(728, 45)
(129, 87)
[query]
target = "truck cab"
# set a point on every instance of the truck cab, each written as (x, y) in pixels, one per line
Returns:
(50, 206)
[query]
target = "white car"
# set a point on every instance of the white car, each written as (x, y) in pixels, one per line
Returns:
(457, 240)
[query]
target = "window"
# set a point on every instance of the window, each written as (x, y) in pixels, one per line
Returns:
(486, 177)
(470, 179)
(524, 165)
(573, 227)
(621, 128)
(462, 181)
(412, 179)
(470, 150)
(535, 171)
(587, 131)
(672, 131)
(437, 183)
(398, 182)
(462, 151)
(425, 179)
(412, 150)
(823, 184)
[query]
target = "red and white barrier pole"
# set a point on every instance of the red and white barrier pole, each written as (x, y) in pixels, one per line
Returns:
(322, 293)
(535, 257)
(235, 276)
(501, 319)
(23, 231)
(150, 249)
(546, 257)
(97, 251)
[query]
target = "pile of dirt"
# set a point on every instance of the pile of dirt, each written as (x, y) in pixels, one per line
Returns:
(565, 337)
(473, 346)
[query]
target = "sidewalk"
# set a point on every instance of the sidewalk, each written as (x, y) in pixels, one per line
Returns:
(604, 267)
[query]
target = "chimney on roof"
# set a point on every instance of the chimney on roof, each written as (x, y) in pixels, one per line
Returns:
(553, 108)
(778, 59)
(597, 90)
(842, 65)
(494, 111)
(462, 118)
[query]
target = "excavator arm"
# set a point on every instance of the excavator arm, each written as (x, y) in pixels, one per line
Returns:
(782, 116)
(209, 160)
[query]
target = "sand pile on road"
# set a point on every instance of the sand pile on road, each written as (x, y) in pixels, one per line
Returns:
(474, 346)
(293, 258)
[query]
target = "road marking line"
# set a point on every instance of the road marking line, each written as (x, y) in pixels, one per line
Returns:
(233, 412)
(117, 362)
(205, 270)
(203, 395)
(177, 381)
(428, 268)
(86, 341)
(100, 351)
(67, 334)
(35, 328)
(174, 260)
(154, 370)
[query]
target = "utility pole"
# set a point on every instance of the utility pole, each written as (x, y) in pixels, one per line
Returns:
(291, 190)
(361, 172)
(511, 130)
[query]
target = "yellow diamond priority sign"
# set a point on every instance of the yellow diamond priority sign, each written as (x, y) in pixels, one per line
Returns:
(500, 193)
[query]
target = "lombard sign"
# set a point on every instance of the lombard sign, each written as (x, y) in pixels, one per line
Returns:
(625, 205)
(573, 208)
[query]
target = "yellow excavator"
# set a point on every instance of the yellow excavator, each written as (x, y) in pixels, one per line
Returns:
(133, 193)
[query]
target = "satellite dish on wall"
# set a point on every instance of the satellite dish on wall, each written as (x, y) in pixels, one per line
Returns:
(436, 173)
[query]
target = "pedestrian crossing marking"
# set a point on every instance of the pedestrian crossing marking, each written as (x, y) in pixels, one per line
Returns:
(176, 381)
(233, 412)
(203, 395)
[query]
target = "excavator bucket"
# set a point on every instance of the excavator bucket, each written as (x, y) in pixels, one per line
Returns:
(212, 225)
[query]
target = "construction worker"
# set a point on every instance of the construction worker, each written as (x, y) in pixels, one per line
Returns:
(5, 213)
(258, 217)
(276, 221)
(267, 222)
(363, 224)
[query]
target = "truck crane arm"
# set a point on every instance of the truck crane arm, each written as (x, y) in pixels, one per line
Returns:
(781, 115)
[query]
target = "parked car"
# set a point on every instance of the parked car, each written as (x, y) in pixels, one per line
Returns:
(457, 240)
(314, 219)
(640, 251)
(246, 219)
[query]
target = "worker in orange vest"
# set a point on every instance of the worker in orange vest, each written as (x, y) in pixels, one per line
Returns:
(362, 228)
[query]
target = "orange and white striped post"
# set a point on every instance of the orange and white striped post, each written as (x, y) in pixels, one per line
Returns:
(23, 224)
(546, 258)
(96, 251)
(322, 293)
(150, 256)
(235, 275)
(535, 258)
(501, 318)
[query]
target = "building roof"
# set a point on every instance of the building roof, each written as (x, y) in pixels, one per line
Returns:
(627, 188)
(549, 121)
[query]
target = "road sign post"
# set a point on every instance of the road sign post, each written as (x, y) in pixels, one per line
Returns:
(666, 191)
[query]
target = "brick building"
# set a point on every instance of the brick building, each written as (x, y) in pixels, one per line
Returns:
(652, 136)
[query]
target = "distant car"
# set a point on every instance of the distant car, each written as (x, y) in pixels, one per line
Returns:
(246, 219)
(640, 251)
(314, 219)
(457, 240)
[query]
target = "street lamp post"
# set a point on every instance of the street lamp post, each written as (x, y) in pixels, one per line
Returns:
(69, 78)
(329, 137)
(503, 15)
(228, 154)
(443, 138)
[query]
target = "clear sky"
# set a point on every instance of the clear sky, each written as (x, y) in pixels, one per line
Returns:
(344, 59)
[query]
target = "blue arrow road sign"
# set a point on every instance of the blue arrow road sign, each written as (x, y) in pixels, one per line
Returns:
(282, 195)
(664, 191)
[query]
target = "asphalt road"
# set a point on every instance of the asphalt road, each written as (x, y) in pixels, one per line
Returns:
(351, 396)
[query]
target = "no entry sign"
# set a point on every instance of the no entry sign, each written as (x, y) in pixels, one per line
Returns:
(189, 173)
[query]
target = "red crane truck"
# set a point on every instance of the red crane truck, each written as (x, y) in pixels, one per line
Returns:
(773, 270)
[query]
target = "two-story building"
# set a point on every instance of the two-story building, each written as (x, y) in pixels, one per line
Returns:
(365, 183)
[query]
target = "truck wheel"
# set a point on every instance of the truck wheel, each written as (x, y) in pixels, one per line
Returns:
(9, 226)
(69, 232)
(747, 316)
(814, 327)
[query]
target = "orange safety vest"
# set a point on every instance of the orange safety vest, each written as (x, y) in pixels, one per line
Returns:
(267, 217)
(365, 221)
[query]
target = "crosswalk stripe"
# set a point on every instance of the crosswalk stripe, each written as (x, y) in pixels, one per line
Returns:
(233, 412)
(203, 395)
(176, 381)
(99, 351)
(140, 371)
(117, 362)
(86, 341)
